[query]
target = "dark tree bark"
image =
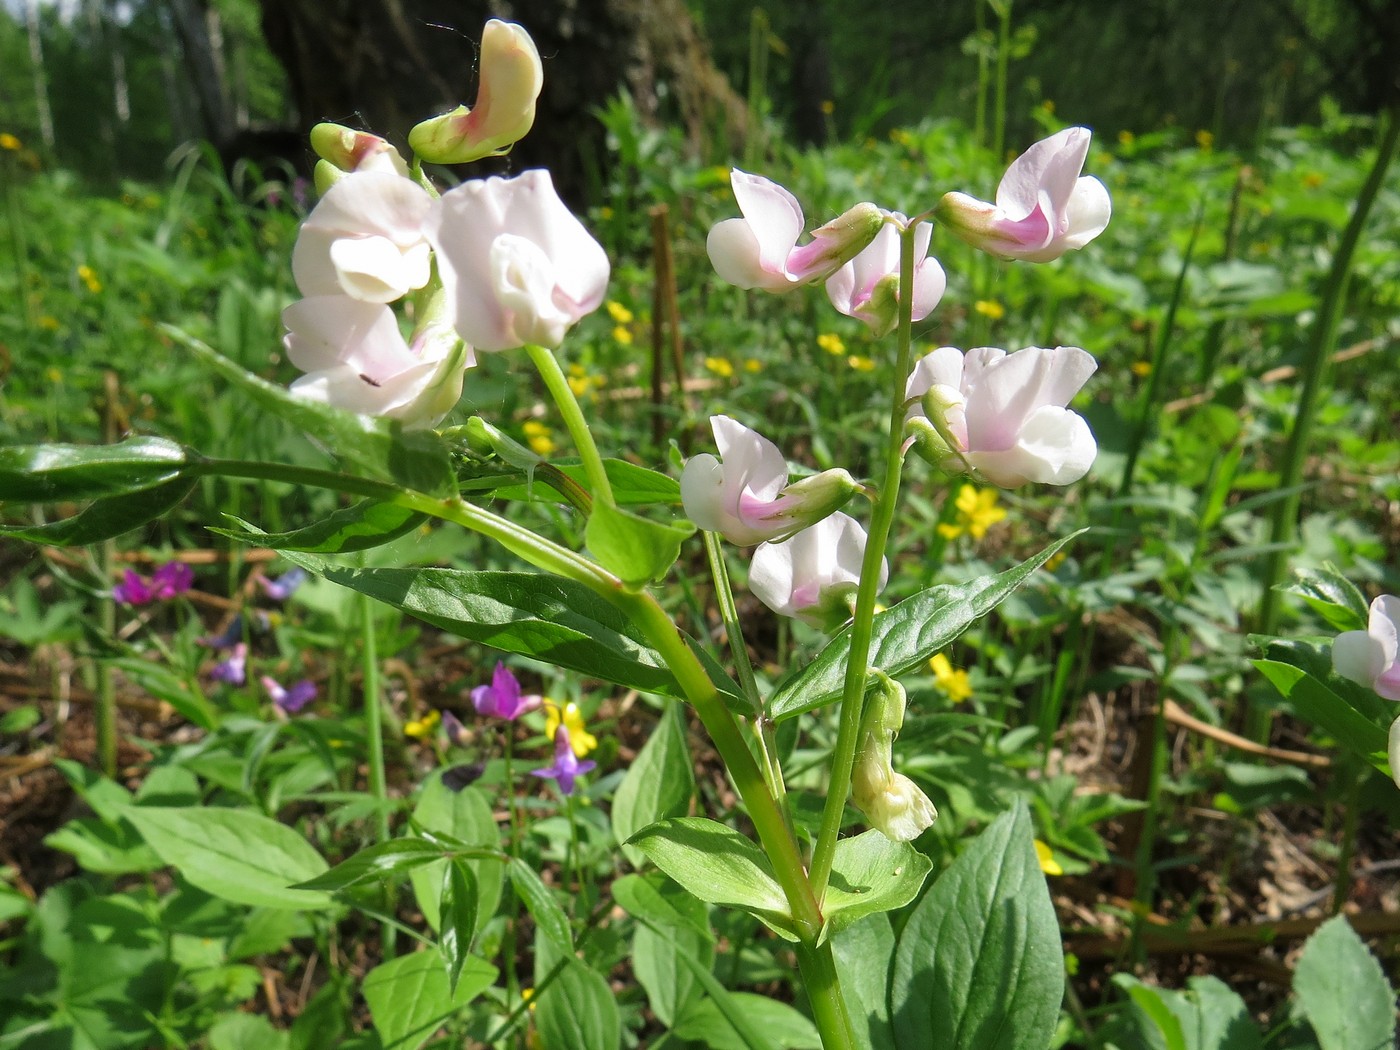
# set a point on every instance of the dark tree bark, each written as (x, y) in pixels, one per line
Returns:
(384, 65)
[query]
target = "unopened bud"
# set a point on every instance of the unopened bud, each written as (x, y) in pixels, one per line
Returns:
(806, 502)
(836, 243)
(511, 79)
(891, 802)
(350, 150)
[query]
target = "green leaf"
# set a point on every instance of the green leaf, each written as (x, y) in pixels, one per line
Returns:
(409, 998)
(659, 784)
(108, 849)
(241, 1031)
(1316, 703)
(416, 459)
(578, 1009)
(979, 964)
(864, 952)
(904, 636)
(545, 617)
(632, 486)
(666, 950)
(367, 524)
(376, 862)
(550, 920)
(107, 517)
(707, 1024)
(466, 816)
(458, 917)
(634, 549)
(57, 473)
(869, 874)
(718, 865)
(1331, 595)
(1213, 1017)
(234, 854)
(1343, 991)
(1155, 1018)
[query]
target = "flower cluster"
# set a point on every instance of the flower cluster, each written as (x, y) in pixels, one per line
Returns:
(168, 581)
(490, 265)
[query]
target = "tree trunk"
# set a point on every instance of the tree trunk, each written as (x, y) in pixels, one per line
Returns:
(384, 65)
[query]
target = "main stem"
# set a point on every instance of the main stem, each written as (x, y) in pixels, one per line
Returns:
(858, 662)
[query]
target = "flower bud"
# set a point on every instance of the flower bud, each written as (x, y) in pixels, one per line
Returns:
(325, 175)
(511, 79)
(349, 150)
(836, 243)
(891, 802)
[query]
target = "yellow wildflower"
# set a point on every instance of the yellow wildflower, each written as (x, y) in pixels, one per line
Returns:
(719, 366)
(861, 364)
(989, 308)
(1055, 561)
(828, 107)
(831, 343)
(422, 728)
(753, 364)
(580, 385)
(618, 312)
(605, 212)
(9, 142)
(1126, 138)
(1205, 139)
(1048, 105)
(977, 511)
(89, 277)
(580, 739)
(1312, 180)
(49, 323)
(953, 682)
(1046, 856)
(623, 335)
(1141, 368)
(537, 436)
(53, 375)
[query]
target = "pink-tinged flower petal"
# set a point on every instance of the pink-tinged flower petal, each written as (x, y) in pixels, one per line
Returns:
(516, 264)
(171, 579)
(232, 670)
(867, 287)
(813, 575)
(133, 590)
(1372, 657)
(1045, 172)
(772, 214)
(503, 698)
(289, 701)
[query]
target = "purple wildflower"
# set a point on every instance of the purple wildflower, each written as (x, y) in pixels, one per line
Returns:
(289, 701)
(502, 698)
(169, 580)
(133, 590)
(233, 635)
(456, 732)
(233, 670)
(566, 764)
(282, 588)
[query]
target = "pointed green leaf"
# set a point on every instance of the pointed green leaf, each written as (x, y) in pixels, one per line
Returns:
(409, 997)
(457, 909)
(465, 816)
(1331, 595)
(979, 964)
(107, 517)
(578, 1009)
(871, 873)
(376, 862)
(1315, 702)
(634, 549)
(367, 524)
(1343, 991)
(904, 636)
(707, 1023)
(550, 920)
(234, 854)
(56, 473)
(718, 865)
(665, 951)
(864, 952)
(659, 783)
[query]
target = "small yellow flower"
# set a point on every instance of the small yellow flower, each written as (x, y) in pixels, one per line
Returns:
(901, 136)
(89, 277)
(580, 739)
(605, 212)
(1048, 105)
(861, 364)
(580, 385)
(1312, 180)
(953, 682)
(1126, 138)
(753, 364)
(978, 511)
(831, 343)
(828, 107)
(618, 312)
(623, 335)
(537, 436)
(1141, 368)
(1046, 856)
(989, 308)
(422, 728)
(9, 142)
(53, 375)
(720, 366)
(49, 323)
(1205, 139)
(1055, 561)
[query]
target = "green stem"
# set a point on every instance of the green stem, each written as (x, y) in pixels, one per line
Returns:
(105, 710)
(857, 665)
(729, 613)
(558, 386)
(374, 739)
(1003, 60)
(1352, 814)
(823, 988)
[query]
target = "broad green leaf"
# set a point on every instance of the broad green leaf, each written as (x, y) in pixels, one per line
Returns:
(457, 914)
(380, 861)
(904, 636)
(664, 956)
(234, 854)
(57, 473)
(416, 459)
(635, 549)
(367, 524)
(864, 952)
(718, 865)
(531, 614)
(550, 920)
(1157, 1020)
(870, 874)
(108, 849)
(240, 1031)
(578, 1009)
(1213, 1017)
(1343, 991)
(1331, 595)
(979, 964)
(707, 1024)
(659, 783)
(1316, 703)
(107, 517)
(632, 486)
(409, 998)
(466, 816)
